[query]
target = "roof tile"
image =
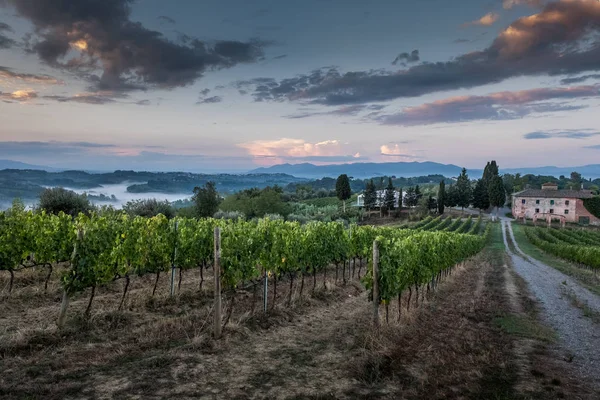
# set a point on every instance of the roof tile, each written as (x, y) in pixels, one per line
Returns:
(555, 194)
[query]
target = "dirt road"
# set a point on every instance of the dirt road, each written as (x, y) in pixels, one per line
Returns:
(559, 295)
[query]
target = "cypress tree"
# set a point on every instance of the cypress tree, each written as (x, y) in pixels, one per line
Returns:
(463, 189)
(370, 195)
(497, 194)
(441, 200)
(342, 189)
(481, 198)
(390, 195)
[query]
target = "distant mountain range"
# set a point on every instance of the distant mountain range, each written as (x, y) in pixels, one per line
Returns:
(410, 169)
(591, 171)
(370, 170)
(363, 170)
(9, 164)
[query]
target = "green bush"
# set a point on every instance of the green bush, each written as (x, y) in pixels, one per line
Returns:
(593, 206)
(55, 200)
(149, 208)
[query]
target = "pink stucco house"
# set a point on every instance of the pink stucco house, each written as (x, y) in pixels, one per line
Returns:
(566, 205)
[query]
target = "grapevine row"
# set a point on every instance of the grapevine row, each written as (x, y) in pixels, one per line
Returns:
(582, 254)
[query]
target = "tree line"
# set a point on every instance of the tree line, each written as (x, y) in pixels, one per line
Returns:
(486, 192)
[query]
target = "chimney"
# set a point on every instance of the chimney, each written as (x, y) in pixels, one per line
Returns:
(549, 186)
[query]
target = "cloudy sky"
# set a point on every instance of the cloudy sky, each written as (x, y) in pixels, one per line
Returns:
(229, 85)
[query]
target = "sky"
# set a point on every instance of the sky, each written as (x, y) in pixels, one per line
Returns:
(231, 85)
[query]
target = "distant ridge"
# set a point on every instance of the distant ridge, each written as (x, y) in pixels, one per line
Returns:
(410, 169)
(591, 171)
(9, 164)
(363, 170)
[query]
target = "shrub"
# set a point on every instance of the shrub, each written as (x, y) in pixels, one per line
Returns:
(149, 208)
(55, 200)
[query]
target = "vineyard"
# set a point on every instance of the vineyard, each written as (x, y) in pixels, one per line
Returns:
(575, 245)
(94, 251)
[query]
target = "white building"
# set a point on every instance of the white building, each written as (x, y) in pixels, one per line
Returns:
(360, 201)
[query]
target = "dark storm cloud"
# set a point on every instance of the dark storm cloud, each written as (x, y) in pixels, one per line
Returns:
(85, 99)
(565, 134)
(210, 100)
(9, 74)
(560, 39)
(407, 58)
(89, 35)
(496, 106)
(594, 147)
(98, 98)
(204, 92)
(579, 79)
(5, 41)
(280, 57)
(349, 110)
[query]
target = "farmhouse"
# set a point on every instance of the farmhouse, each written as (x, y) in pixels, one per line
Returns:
(360, 201)
(549, 202)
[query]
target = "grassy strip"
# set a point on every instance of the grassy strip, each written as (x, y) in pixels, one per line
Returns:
(586, 278)
(509, 241)
(519, 324)
(587, 311)
(524, 326)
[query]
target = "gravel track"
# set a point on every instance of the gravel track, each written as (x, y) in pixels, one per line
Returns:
(579, 336)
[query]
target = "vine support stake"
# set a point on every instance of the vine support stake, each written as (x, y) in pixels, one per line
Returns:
(63, 310)
(217, 273)
(173, 262)
(266, 293)
(375, 284)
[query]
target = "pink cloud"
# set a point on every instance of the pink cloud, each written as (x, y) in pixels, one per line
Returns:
(487, 20)
(298, 150)
(495, 106)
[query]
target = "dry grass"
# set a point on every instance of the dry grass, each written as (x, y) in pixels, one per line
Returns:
(323, 347)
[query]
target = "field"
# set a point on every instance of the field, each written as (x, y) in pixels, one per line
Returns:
(587, 276)
(580, 246)
(470, 313)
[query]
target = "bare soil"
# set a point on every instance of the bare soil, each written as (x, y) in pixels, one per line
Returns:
(456, 345)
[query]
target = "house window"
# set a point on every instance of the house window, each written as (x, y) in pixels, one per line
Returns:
(523, 201)
(552, 211)
(566, 211)
(551, 202)
(537, 210)
(537, 202)
(566, 203)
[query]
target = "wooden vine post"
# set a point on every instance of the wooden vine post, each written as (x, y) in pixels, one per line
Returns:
(173, 262)
(217, 273)
(375, 284)
(65, 300)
